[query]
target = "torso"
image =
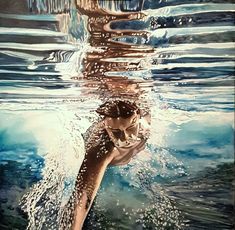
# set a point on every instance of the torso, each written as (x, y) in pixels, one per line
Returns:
(124, 156)
(120, 159)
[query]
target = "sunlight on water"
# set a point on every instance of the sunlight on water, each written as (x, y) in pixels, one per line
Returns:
(60, 61)
(62, 161)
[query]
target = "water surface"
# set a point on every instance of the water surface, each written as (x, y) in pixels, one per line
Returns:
(57, 65)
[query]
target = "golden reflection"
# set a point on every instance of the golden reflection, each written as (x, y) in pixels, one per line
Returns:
(109, 57)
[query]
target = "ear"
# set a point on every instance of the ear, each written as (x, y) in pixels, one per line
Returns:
(138, 111)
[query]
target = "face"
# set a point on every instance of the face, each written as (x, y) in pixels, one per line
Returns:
(123, 131)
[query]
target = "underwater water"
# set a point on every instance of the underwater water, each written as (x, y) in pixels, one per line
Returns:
(59, 61)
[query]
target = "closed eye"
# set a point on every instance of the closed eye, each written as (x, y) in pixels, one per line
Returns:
(132, 126)
(134, 120)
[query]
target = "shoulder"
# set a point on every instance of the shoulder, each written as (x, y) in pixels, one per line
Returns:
(94, 134)
(97, 142)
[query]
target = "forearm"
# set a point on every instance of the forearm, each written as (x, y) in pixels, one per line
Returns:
(88, 182)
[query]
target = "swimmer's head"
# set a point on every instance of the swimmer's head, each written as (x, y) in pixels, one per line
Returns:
(121, 121)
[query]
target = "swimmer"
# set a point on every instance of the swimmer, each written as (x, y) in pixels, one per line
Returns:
(121, 134)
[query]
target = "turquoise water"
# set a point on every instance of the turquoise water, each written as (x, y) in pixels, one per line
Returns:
(183, 179)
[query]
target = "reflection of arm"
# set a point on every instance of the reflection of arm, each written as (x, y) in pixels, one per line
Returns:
(93, 8)
(88, 182)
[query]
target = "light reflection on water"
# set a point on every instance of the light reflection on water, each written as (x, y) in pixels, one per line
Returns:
(175, 57)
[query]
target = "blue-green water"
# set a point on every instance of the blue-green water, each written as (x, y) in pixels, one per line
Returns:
(183, 179)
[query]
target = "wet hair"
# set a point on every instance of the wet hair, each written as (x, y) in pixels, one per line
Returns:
(118, 108)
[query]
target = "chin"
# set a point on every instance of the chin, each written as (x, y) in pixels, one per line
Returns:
(124, 147)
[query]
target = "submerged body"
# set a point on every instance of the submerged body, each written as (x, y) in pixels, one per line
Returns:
(112, 141)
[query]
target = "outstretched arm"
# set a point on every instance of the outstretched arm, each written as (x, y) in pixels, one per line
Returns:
(87, 184)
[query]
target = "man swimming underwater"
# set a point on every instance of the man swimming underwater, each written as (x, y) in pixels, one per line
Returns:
(114, 140)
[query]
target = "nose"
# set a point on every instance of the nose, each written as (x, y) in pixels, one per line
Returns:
(123, 136)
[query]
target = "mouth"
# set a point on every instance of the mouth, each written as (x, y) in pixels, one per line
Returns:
(124, 145)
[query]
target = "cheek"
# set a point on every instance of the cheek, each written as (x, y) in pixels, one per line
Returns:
(134, 131)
